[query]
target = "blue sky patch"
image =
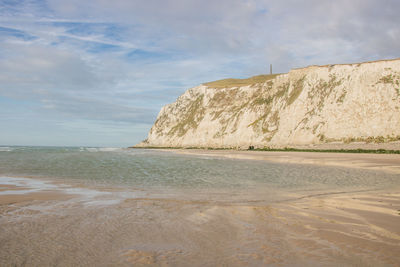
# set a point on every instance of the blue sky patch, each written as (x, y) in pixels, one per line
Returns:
(7, 32)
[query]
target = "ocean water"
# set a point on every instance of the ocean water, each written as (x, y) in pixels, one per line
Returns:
(168, 172)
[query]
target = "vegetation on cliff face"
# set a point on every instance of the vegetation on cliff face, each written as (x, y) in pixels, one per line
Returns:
(267, 123)
(227, 105)
(296, 91)
(323, 90)
(392, 79)
(192, 115)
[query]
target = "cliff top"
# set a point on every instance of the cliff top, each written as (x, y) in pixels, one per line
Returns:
(240, 82)
(347, 64)
(230, 82)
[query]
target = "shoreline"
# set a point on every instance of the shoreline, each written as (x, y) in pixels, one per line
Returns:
(381, 147)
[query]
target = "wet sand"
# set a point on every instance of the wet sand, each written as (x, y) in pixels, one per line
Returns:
(67, 226)
(382, 162)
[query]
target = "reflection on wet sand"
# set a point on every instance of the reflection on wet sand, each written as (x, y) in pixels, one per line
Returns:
(57, 227)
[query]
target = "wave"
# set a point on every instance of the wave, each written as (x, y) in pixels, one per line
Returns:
(99, 149)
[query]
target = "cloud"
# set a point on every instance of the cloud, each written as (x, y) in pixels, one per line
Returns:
(339, 31)
(98, 109)
(31, 71)
(120, 61)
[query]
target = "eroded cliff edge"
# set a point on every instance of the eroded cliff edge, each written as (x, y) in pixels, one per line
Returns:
(312, 105)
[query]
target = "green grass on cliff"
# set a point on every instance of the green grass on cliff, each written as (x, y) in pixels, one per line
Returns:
(286, 149)
(240, 82)
(358, 150)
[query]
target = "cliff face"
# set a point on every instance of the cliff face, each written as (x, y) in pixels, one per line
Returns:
(312, 105)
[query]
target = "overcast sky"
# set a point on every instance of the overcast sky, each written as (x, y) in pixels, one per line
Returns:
(97, 72)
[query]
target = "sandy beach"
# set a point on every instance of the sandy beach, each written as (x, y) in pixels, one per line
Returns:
(381, 162)
(72, 225)
(52, 228)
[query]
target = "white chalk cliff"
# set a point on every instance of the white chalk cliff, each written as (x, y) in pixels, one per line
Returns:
(312, 105)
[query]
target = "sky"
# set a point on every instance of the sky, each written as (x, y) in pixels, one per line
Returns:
(97, 72)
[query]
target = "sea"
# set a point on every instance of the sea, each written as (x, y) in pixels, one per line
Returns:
(169, 174)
